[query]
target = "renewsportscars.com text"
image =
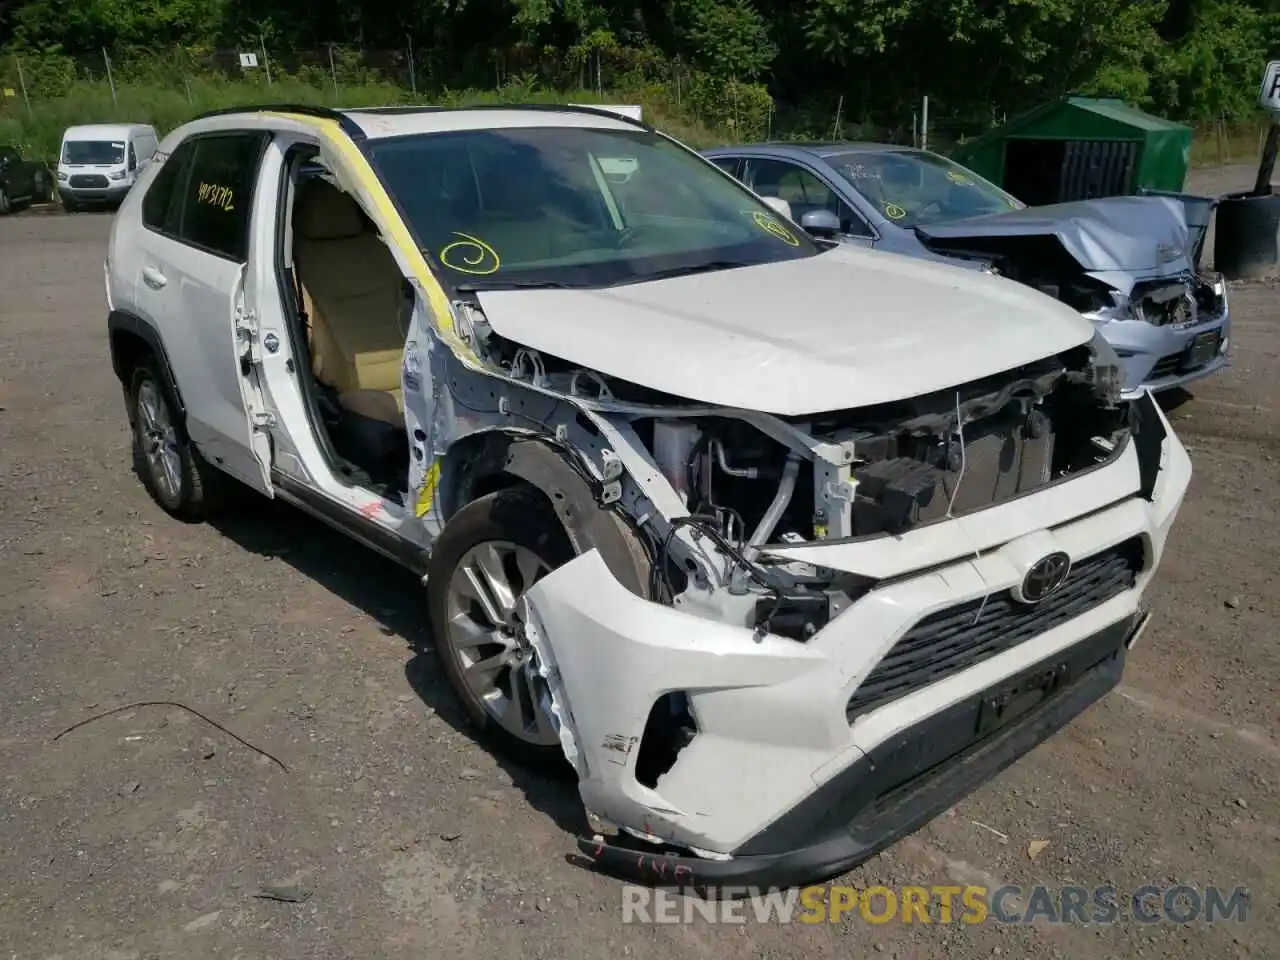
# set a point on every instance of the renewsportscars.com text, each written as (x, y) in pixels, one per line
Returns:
(940, 904)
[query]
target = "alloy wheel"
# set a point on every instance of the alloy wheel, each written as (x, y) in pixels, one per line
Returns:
(159, 441)
(488, 638)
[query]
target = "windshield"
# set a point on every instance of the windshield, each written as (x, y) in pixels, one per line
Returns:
(101, 152)
(913, 188)
(574, 206)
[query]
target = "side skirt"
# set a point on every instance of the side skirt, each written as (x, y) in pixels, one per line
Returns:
(409, 555)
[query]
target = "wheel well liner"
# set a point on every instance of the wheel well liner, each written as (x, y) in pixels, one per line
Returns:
(131, 340)
(497, 460)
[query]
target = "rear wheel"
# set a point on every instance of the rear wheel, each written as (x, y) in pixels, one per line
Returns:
(171, 468)
(487, 557)
(5, 206)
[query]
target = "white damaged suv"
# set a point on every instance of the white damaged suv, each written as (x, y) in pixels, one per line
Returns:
(784, 546)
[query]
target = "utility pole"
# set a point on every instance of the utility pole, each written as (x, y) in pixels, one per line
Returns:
(110, 80)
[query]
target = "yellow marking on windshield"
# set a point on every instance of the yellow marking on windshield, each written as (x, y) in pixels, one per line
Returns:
(774, 228)
(959, 178)
(894, 212)
(471, 254)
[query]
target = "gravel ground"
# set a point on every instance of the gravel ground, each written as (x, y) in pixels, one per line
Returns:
(152, 834)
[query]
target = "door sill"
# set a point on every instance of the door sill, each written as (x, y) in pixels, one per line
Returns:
(409, 555)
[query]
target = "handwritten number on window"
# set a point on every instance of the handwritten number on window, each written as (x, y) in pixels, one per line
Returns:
(220, 197)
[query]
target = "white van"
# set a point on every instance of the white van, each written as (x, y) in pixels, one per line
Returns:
(99, 162)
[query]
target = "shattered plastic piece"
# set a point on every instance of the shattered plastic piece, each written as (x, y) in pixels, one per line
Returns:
(544, 662)
(1035, 848)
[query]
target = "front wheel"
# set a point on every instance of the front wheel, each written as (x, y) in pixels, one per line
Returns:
(171, 469)
(487, 557)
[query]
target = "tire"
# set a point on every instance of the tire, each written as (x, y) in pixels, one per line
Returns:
(70, 205)
(5, 206)
(516, 523)
(41, 188)
(170, 467)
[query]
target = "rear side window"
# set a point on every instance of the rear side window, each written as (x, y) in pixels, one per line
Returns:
(162, 206)
(219, 194)
(728, 164)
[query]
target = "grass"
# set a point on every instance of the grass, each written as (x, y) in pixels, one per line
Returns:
(1216, 145)
(38, 132)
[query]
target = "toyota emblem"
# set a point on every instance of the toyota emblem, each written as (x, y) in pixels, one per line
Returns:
(1046, 577)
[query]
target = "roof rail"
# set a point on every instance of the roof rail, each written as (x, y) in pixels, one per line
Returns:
(326, 113)
(352, 129)
(547, 107)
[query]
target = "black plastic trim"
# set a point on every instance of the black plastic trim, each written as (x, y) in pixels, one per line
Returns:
(892, 791)
(1149, 434)
(587, 522)
(965, 634)
(121, 321)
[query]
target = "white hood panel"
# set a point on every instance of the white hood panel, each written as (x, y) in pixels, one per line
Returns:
(847, 328)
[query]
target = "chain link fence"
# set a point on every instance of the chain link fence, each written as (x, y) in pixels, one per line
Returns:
(42, 94)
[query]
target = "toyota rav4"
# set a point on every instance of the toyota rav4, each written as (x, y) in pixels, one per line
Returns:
(783, 546)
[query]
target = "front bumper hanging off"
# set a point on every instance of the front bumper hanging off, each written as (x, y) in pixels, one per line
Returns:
(789, 777)
(896, 789)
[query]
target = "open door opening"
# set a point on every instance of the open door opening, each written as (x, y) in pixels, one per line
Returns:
(351, 320)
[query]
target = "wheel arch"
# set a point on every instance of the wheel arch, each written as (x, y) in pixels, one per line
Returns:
(489, 461)
(132, 341)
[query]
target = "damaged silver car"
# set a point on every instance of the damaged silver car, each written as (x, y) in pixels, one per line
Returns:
(1128, 264)
(782, 547)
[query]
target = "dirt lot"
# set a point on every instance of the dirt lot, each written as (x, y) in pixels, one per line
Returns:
(152, 834)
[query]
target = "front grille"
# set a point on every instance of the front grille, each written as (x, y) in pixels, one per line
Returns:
(959, 637)
(1180, 362)
(88, 180)
(1166, 366)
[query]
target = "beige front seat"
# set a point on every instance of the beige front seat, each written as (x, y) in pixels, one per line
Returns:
(351, 291)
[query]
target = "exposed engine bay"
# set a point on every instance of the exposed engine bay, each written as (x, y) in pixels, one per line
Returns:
(750, 481)
(729, 554)
(911, 463)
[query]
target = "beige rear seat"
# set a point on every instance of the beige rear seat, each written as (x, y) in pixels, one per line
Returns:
(351, 290)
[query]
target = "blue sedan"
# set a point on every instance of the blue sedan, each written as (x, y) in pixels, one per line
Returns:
(1129, 264)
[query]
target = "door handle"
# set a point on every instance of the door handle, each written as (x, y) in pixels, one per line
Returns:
(153, 278)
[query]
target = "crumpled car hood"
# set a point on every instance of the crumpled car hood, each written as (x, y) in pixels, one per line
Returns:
(846, 328)
(1132, 234)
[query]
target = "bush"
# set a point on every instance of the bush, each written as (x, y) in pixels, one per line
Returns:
(168, 90)
(741, 109)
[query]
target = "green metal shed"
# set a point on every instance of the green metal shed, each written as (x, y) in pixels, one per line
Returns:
(1079, 148)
